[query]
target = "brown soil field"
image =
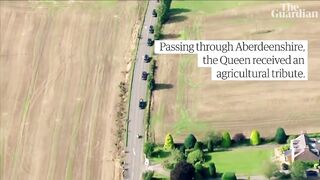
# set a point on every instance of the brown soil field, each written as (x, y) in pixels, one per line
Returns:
(61, 64)
(187, 101)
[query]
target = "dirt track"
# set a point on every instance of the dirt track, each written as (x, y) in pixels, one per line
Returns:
(60, 69)
(194, 103)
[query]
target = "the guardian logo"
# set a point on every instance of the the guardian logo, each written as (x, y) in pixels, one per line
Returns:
(289, 10)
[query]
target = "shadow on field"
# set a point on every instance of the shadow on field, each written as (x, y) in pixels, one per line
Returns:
(170, 36)
(175, 19)
(163, 86)
(175, 11)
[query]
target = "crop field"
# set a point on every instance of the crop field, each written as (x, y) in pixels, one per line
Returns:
(61, 64)
(187, 101)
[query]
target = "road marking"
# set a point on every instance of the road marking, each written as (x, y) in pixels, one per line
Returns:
(134, 152)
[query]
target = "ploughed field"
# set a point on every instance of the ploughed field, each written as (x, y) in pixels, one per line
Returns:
(61, 64)
(187, 101)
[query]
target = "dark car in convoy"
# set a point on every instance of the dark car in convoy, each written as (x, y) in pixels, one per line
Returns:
(146, 58)
(142, 104)
(151, 29)
(154, 13)
(150, 42)
(144, 75)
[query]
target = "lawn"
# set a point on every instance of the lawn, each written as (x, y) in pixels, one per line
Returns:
(246, 160)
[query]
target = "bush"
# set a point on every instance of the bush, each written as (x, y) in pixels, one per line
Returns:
(212, 170)
(210, 146)
(157, 31)
(151, 82)
(298, 170)
(148, 175)
(291, 138)
(168, 143)
(168, 165)
(284, 148)
(177, 155)
(226, 140)
(215, 138)
(198, 145)
(255, 138)
(190, 141)
(281, 136)
(195, 156)
(182, 149)
(229, 176)
(239, 138)
(198, 167)
(148, 148)
(182, 170)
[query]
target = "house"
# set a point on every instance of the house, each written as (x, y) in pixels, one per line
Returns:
(303, 148)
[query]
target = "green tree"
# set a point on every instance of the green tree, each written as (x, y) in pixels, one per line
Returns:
(148, 148)
(281, 136)
(212, 170)
(210, 146)
(168, 143)
(195, 156)
(215, 138)
(255, 138)
(150, 82)
(148, 175)
(229, 176)
(226, 140)
(198, 145)
(298, 170)
(177, 155)
(182, 170)
(190, 141)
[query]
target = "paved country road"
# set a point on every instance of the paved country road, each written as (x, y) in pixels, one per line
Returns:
(134, 162)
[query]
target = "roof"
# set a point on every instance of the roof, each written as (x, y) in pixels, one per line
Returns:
(303, 144)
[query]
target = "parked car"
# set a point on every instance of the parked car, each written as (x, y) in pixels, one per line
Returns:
(150, 42)
(146, 58)
(144, 75)
(151, 29)
(154, 13)
(142, 104)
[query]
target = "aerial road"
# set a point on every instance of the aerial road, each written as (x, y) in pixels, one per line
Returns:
(134, 162)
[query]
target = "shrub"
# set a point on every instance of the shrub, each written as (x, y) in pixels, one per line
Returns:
(255, 138)
(214, 137)
(177, 155)
(212, 170)
(195, 156)
(168, 143)
(298, 170)
(198, 167)
(229, 176)
(148, 175)
(148, 148)
(226, 140)
(151, 82)
(182, 149)
(210, 146)
(198, 145)
(291, 137)
(190, 141)
(182, 170)
(280, 136)
(168, 165)
(284, 148)
(239, 138)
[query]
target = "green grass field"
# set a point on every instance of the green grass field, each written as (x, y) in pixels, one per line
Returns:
(246, 160)
(208, 7)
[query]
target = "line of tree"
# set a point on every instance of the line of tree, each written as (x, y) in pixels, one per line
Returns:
(163, 11)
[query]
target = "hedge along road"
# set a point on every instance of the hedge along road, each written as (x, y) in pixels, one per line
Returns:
(134, 163)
